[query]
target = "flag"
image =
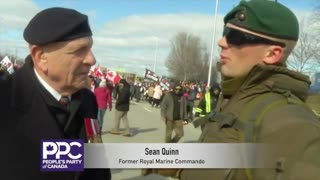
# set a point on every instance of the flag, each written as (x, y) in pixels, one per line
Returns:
(164, 83)
(8, 64)
(113, 76)
(150, 75)
(96, 71)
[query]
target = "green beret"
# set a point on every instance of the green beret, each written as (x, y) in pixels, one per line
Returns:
(56, 24)
(266, 17)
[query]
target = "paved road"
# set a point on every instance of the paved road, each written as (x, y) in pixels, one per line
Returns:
(146, 127)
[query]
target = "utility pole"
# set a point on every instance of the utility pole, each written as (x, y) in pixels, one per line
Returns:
(213, 42)
(155, 56)
(16, 57)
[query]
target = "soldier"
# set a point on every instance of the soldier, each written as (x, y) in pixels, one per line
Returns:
(263, 101)
(47, 98)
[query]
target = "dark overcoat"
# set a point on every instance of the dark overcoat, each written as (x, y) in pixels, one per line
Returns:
(28, 115)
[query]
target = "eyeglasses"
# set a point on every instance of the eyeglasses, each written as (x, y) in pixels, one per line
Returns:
(239, 38)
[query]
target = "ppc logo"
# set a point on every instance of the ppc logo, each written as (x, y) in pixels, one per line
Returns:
(62, 155)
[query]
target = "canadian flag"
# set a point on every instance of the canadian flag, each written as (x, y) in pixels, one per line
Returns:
(8, 64)
(113, 76)
(96, 71)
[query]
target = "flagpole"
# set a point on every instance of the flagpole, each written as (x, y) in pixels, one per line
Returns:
(213, 42)
(15, 59)
(155, 56)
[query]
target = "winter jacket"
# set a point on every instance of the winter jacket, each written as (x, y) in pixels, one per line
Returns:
(291, 129)
(167, 107)
(123, 100)
(103, 96)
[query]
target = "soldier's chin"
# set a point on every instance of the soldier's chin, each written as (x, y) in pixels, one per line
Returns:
(225, 73)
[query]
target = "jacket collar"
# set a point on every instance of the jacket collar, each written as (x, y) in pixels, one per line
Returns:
(23, 86)
(267, 78)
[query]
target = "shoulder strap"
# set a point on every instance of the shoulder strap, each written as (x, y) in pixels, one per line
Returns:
(250, 119)
(254, 111)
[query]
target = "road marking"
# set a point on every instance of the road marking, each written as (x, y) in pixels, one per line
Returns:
(147, 109)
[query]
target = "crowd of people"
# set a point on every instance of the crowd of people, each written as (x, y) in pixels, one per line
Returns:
(195, 95)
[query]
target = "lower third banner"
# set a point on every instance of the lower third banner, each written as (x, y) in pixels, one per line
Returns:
(180, 155)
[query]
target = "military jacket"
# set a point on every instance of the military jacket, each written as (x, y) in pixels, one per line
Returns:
(292, 129)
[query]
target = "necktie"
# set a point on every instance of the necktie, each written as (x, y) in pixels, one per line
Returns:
(64, 100)
(62, 116)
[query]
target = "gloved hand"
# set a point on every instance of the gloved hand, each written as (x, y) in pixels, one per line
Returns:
(163, 172)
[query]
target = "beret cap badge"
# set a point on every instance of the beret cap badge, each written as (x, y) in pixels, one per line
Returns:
(265, 17)
(241, 15)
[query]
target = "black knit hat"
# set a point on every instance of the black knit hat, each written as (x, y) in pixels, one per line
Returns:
(56, 24)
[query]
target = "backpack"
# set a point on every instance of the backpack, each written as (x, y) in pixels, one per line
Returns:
(245, 125)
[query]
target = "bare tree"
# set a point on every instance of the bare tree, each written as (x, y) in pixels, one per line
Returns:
(304, 56)
(315, 23)
(187, 59)
(205, 69)
(315, 17)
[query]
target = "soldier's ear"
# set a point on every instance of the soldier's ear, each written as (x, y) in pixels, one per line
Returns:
(273, 54)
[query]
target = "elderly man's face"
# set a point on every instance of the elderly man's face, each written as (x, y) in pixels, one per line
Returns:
(68, 63)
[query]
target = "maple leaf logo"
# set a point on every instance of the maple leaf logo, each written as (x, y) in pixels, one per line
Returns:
(49, 148)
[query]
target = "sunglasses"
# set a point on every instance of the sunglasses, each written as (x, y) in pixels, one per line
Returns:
(240, 38)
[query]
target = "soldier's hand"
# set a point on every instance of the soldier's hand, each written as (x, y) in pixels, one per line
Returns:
(162, 172)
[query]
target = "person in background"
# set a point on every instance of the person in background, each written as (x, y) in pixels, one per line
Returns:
(137, 91)
(47, 98)
(104, 100)
(150, 93)
(174, 114)
(3, 72)
(208, 103)
(156, 96)
(191, 100)
(122, 108)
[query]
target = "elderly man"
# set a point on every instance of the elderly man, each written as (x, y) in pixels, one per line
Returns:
(263, 101)
(47, 98)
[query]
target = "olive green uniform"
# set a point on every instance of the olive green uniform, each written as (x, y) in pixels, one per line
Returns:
(293, 128)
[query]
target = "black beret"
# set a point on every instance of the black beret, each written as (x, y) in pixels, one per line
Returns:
(56, 24)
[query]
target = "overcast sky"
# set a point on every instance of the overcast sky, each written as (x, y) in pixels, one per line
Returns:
(129, 34)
